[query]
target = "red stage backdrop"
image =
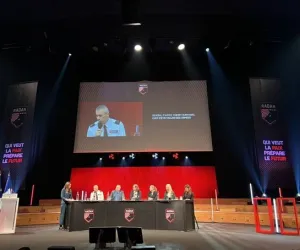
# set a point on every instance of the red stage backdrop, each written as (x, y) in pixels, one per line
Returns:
(202, 179)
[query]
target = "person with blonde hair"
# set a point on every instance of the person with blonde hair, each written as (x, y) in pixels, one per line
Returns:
(169, 194)
(135, 194)
(152, 195)
(65, 195)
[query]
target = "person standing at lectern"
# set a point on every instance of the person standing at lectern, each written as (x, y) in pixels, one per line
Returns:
(65, 195)
(97, 195)
(105, 126)
(135, 194)
(169, 194)
(117, 194)
(188, 194)
(152, 195)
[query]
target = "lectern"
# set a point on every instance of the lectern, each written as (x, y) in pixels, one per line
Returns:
(9, 205)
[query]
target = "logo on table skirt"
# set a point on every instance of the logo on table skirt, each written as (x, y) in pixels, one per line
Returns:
(170, 215)
(88, 215)
(143, 88)
(129, 214)
(17, 117)
(269, 113)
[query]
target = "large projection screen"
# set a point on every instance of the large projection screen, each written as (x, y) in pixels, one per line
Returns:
(143, 117)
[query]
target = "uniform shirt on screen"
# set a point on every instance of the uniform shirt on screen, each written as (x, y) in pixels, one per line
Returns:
(113, 127)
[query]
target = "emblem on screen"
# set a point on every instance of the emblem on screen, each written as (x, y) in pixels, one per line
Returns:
(88, 215)
(129, 214)
(269, 113)
(170, 215)
(18, 116)
(143, 88)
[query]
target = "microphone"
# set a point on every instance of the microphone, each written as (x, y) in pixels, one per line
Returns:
(99, 130)
(100, 126)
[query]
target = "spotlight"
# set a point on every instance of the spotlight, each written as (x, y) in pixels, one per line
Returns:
(264, 195)
(100, 159)
(181, 47)
(70, 54)
(163, 158)
(298, 195)
(111, 156)
(138, 47)
(132, 156)
(207, 49)
(123, 158)
(186, 157)
(155, 156)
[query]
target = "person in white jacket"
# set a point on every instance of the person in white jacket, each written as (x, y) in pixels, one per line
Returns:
(97, 195)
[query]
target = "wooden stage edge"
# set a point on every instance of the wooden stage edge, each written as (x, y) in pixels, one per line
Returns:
(234, 211)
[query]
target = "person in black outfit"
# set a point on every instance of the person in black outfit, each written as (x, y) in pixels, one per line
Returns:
(152, 196)
(188, 194)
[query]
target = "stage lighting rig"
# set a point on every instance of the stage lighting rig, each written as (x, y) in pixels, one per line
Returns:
(111, 156)
(155, 156)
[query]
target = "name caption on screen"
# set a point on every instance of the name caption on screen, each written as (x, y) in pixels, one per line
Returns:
(172, 116)
(13, 153)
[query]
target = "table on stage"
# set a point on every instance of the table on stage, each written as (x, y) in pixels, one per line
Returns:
(158, 215)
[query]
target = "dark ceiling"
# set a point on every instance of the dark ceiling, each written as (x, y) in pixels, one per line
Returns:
(82, 24)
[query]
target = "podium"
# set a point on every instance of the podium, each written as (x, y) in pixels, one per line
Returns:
(9, 205)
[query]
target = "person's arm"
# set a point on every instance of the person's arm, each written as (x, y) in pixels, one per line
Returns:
(155, 196)
(112, 195)
(71, 195)
(139, 196)
(131, 195)
(89, 133)
(192, 196)
(101, 198)
(173, 196)
(166, 196)
(92, 196)
(122, 131)
(63, 194)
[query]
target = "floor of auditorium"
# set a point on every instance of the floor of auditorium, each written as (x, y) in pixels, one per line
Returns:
(209, 237)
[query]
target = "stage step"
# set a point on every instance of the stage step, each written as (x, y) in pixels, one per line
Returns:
(38, 209)
(28, 219)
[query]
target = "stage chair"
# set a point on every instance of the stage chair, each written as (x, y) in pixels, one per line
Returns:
(102, 235)
(61, 248)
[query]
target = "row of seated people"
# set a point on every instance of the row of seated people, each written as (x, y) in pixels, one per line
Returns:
(118, 195)
(135, 194)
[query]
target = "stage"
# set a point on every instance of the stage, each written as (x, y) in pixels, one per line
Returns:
(210, 236)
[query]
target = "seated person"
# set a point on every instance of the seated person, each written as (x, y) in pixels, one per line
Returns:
(97, 195)
(105, 125)
(169, 194)
(152, 195)
(188, 194)
(117, 194)
(135, 194)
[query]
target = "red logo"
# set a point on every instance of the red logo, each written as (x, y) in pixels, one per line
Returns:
(88, 215)
(170, 215)
(129, 214)
(143, 88)
(18, 116)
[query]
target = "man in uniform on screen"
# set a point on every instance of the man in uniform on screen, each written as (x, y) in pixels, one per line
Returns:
(105, 126)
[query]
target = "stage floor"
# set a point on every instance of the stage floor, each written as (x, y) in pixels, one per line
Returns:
(209, 237)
